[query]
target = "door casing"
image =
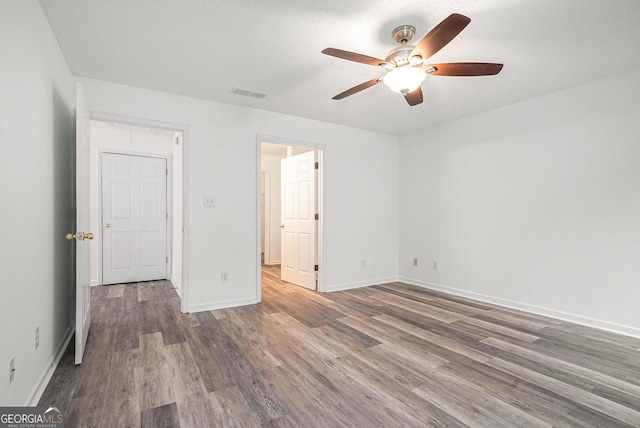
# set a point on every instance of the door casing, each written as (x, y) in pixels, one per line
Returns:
(266, 178)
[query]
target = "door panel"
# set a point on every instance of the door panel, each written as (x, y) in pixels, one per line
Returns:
(304, 201)
(149, 249)
(298, 210)
(149, 201)
(83, 291)
(121, 250)
(134, 205)
(120, 191)
(304, 258)
(288, 251)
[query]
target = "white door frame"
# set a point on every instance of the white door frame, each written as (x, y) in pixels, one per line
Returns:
(184, 129)
(320, 207)
(169, 189)
(267, 214)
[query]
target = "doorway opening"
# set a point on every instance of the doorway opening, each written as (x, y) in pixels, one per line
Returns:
(136, 203)
(290, 211)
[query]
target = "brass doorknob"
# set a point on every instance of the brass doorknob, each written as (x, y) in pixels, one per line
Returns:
(107, 225)
(282, 226)
(78, 236)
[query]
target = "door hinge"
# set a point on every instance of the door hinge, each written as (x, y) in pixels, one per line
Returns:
(317, 216)
(166, 259)
(317, 165)
(166, 172)
(315, 268)
(167, 216)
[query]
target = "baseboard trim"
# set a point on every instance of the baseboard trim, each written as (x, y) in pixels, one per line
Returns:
(359, 284)
(553, 313)
(43, 380)
(175, 287)
(223, 304)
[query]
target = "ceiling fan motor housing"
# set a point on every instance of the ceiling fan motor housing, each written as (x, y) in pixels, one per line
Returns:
(400, 55)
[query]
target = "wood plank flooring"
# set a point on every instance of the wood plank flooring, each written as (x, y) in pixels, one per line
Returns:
(392, 355)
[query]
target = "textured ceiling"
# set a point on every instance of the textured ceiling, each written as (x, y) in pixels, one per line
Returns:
(205, 48)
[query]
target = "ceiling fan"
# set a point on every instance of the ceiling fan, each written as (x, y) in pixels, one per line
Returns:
(406, 64)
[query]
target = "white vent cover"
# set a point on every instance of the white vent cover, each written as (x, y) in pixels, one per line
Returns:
(244, 92)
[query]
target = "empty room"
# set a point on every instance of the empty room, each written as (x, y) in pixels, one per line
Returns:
(338, 213)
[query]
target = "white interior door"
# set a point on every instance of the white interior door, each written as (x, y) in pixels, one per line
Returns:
(134, 215)
(81, 236)
(298, 225)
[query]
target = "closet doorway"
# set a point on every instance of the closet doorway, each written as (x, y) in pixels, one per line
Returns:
(136, 203)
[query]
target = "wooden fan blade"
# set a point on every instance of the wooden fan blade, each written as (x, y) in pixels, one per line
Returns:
(442, 34)
(352, 56)
(414, 97)
(358, 88)
(466, 69)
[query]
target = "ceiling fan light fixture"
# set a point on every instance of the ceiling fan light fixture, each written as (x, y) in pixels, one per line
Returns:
(416, 61)
(404, 79)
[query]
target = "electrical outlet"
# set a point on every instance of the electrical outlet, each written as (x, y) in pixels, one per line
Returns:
(435, 265)
(12, 369)
(37, 336)
(209, 201)
(415, 262)
(363, 263)
(224, 277)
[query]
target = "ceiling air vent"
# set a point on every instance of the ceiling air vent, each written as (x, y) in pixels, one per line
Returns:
(245, 93)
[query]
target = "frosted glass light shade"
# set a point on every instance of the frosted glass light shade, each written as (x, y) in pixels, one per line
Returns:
(404, 79)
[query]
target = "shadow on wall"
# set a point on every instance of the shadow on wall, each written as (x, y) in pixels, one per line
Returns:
(63, 138)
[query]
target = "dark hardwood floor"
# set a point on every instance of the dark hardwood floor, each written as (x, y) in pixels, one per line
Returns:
(391, 355)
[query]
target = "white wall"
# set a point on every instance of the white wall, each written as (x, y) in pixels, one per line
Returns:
(118, 139)
(536, 205)
(37, 104)
(361, 191)
(271, 163)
